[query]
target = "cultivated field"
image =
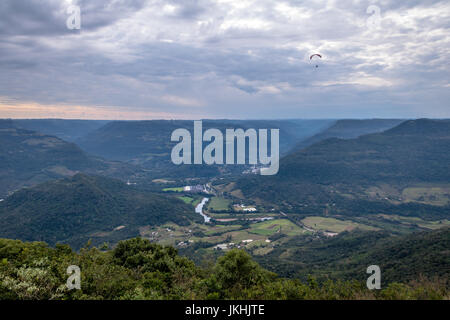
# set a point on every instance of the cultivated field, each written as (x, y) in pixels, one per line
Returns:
(271, 227)
(219, 204)
(333, 225)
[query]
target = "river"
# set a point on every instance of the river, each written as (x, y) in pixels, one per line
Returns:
(199, 209)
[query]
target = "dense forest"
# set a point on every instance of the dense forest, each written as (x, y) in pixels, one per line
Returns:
(402, 258)
(139, 269)
(349, 129)
(339, 172)
(28, 158)
(83, 207)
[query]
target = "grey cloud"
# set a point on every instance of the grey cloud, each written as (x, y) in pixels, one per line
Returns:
(38, 17)
(191, 9)
(235, 72)
(32, 17)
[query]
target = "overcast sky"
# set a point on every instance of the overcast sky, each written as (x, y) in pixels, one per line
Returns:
(186, 59)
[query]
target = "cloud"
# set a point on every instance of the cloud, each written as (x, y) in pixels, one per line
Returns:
(227, 58)
(48, 17)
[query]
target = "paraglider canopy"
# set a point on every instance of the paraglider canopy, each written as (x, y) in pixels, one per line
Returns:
(315, 55)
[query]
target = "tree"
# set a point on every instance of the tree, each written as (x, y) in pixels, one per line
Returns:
(236, 272)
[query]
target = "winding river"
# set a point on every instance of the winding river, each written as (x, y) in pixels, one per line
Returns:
(199, 209)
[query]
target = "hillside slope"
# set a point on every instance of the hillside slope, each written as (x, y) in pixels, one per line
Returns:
(145, 140)
(76, 209)
(147, 143)
(401, 259)
(28, 158)
(68, 130)
(415, 152)
(350, 129)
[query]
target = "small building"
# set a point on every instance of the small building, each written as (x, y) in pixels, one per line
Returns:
(224, 246)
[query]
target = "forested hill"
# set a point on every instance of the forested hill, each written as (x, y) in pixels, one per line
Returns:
(75, 209)
(416, 151)
(150, 140)
(148, 143)
(347, 256)
(350, 129)
(68, 130)
(28, 157)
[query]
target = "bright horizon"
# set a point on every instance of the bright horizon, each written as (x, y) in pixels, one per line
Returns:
(218, 119)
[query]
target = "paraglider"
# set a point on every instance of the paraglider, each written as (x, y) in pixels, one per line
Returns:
(315, 56)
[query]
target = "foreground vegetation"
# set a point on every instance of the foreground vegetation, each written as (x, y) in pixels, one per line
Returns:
(346, 256)
(139, 269)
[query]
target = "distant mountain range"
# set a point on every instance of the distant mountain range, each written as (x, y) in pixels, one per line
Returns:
(147, 143)
(82, 207)
(144, 141)
(68, 130)
(28, 157)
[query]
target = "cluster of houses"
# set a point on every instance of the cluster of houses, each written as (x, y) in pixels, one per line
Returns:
(226, 246)
(199, 188)
(241, 207)
(253, 170)
(184, 243)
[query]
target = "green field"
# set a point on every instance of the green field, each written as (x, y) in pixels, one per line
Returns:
(434, 196)
(222, 229)
(177, 189)
(187, 200)
(432, 225)
(261, 251)
(438, 195)
(271, 227)
(334, 225)
(219, 204)
(242, 216)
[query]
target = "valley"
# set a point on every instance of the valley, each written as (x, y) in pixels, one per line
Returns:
(332, 191)
(261, 231)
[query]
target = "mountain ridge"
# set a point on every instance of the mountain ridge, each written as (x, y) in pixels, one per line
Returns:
(349, 129)
(29, 157)
(396, 157)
